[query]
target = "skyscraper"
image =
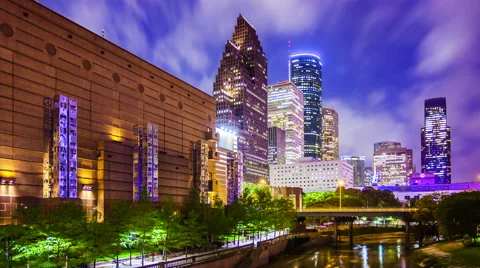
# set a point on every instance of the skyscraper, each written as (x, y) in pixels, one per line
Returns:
(368, 176)
(285, 111)
(306, 74)
(276, 145)
(240, 90)
(330, 150)
(392, 166)
(383, 145)
(358, 164)
(436, 141)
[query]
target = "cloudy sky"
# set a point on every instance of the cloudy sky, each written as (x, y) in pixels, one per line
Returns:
(381, 59)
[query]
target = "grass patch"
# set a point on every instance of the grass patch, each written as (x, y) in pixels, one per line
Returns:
(469, 256)
(448, 254)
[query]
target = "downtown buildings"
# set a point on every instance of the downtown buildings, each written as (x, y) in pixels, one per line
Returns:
(276, 146)
(312, 175)
(330, 141)
(240, 91)
(435, 141)
(285, 112)
(305, 72)
(392, 165)
(358, 164)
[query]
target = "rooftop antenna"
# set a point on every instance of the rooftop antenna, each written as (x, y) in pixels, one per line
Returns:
(289, 60)
(103, 33)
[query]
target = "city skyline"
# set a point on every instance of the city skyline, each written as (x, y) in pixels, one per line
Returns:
(415, 72)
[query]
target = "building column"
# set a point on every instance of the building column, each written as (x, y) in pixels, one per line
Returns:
(350, 225)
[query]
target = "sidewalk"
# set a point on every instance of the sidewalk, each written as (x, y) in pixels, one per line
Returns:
(137, 260)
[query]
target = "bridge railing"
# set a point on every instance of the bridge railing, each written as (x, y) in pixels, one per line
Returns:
(380, 210)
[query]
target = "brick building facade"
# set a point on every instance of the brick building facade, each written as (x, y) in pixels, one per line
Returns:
(42, 55)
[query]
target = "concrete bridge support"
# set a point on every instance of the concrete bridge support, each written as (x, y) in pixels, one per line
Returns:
(350, 233)
(407, 233)
(335, 234)
(336, 221)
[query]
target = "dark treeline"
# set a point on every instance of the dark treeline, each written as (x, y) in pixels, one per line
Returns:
(66, 235)
(451, 216)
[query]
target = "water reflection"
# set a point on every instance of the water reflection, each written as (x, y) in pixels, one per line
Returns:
(365, 255)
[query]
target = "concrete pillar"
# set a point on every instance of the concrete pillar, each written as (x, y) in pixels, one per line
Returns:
(335, 234)
(350, 233)
(407, 234)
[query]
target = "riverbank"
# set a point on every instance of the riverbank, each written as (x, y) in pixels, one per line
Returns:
(448, 254)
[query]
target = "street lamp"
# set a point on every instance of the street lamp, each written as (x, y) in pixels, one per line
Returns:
(262, 181)
(340, 185)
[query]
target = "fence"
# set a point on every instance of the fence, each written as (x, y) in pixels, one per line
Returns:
(198, 259)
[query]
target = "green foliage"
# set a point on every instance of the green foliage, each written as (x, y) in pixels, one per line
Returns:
(459, 214)
(62, 233)
(368, 197)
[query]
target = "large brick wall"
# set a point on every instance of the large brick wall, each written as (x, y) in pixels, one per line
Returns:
(43, 54)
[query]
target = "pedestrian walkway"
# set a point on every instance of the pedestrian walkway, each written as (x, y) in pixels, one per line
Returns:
(137, 260)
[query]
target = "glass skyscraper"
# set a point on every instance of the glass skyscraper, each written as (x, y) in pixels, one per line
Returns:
(285, 111)
(358, 164)
(306, 74)
(436, 141)
(240, 89)
(330, 142)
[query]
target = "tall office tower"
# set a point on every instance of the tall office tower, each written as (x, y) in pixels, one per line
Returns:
(436, 141)
(306, 74)
(392, 166)
(285, 111)
(276, 146)
(240, 90)
(330, 143)
(386, 145)
(368, 176)
(358, 164)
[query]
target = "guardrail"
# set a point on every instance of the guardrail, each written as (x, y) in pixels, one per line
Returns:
(198, 259)
(380, 210)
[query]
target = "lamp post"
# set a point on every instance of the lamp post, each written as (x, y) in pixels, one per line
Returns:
(340, 185)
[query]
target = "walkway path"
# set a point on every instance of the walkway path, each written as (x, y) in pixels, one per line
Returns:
(137, 260)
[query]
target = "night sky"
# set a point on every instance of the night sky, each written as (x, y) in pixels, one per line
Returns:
(381, 59)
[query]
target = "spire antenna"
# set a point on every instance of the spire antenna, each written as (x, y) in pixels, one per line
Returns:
(289, 61)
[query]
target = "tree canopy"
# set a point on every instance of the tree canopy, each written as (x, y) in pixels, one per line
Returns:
(368, 197)
(65, 234)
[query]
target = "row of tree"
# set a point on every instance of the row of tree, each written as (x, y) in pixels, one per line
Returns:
(367, 197)
(452, 216)
(66, 236)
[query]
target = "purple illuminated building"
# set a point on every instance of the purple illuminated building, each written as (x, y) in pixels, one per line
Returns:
(436, 152)
(422, 179)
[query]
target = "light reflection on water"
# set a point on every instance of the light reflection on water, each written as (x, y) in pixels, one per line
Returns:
(370, 255)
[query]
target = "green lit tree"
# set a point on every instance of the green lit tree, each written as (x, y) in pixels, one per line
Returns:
(192, 232)
(117, 220)
(143, 219)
